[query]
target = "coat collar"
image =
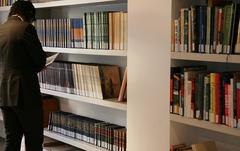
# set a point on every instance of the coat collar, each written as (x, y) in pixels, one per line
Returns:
(15, 17)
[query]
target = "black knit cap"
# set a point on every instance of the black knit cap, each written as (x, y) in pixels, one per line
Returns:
(24, 9)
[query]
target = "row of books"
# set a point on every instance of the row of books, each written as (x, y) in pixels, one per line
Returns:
(203, 146)
(211, 96)
(207, 29)
(6, 2)
(95, 30)
(99, 133)
(90, 80)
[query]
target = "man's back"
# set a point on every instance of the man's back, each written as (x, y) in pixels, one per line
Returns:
(13, 46)
(11, 49)
(21, 57)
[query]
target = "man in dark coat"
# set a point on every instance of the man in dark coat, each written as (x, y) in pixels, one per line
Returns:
(21, 58)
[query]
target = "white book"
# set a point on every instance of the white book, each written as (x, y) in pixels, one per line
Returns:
(51, 59)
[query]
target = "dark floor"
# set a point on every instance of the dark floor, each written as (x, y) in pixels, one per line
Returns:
(1, 143)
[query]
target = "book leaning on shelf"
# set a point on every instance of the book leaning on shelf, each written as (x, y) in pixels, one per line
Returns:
(99, 81)
(123, 90)
(205, 95)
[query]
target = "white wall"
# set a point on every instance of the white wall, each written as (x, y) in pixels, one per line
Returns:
(148, 75)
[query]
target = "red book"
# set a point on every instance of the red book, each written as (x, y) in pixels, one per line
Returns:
(181, 105)
(238, 105)
(171, 96)
(193, 98)
(217, 103)
(226, 103)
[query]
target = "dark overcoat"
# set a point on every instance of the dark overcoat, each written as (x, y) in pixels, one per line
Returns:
(21, 58)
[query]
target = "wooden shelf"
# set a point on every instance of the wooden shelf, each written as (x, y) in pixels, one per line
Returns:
(110, 103)
(87, 51)
(205, 125)
(206, 57)
(74, 142)
(59, 3)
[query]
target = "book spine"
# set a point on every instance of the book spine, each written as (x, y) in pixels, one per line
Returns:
(193, 28)
(212, 97)
(237, 47)
(177, 35)
(206, 97)
(238, 104)
(202, 28)
(218, 93)
(208, 32)
(219, 30)
(185, 32)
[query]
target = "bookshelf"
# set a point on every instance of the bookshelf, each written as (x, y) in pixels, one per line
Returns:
(222, 58)
(148, 61)
(111, 103)
(4, 8)
(73, 142)
(100, 52)
(106, 110)
(205, 125)
(189, 130)
(64, 3)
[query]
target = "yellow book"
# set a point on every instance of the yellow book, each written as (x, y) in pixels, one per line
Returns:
(125, 28)
(237, 49)
(110, 30)
(212, 112)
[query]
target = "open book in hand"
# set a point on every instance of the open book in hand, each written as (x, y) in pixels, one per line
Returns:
(51, 59)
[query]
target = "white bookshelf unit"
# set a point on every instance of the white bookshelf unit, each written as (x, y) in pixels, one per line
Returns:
(148, 61)
(4, 8)
(111, 103)
(189, 130)
(62, 3)
(111, 109)
(97, 52)
(222, 58)
(93, 108)
(205, 125)
(73, 142)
